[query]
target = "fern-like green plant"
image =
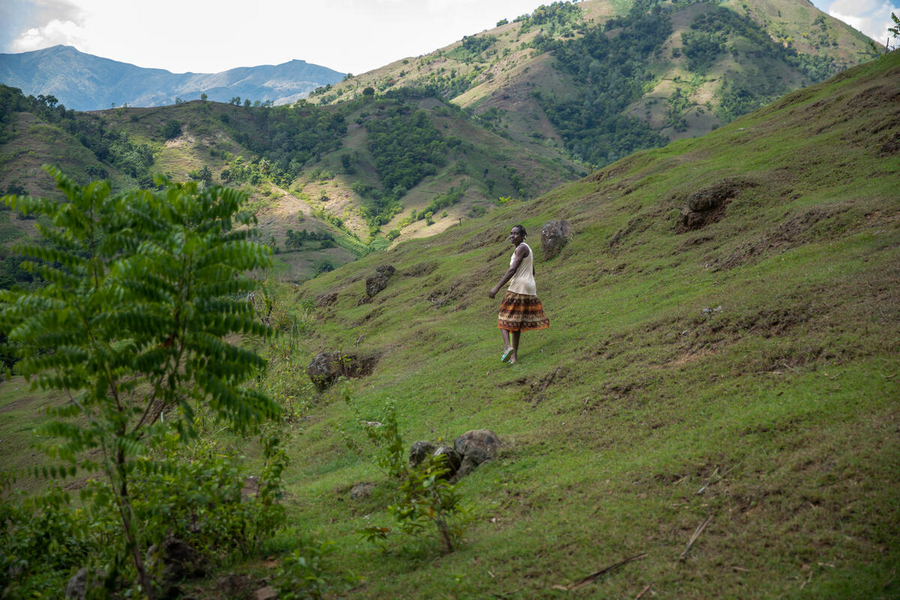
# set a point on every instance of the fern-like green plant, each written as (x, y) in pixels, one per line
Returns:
(142, 290)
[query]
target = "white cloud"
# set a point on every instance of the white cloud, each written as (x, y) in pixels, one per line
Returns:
(872, 17)
(55, 32)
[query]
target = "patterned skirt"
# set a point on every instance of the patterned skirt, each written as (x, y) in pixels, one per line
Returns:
(519, 312)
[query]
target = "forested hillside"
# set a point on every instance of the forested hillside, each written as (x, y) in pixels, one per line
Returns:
(604, 78)
(367, 172)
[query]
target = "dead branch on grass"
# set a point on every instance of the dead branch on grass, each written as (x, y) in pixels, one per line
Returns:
(708, 482)
(597, 575)
(643, 591)
(695, 536)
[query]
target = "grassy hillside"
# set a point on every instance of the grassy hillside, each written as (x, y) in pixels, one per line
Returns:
(735, 367)
(603, 78)
(744, 371)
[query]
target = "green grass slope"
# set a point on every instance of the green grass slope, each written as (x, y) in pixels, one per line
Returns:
(744, 372)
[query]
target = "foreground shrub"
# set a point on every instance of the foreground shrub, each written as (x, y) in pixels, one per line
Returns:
(143, 288)
(425, 498)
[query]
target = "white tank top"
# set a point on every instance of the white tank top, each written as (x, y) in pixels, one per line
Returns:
(523, 281)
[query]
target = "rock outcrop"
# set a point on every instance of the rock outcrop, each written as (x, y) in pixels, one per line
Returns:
(469, 450)
(708, 205)
(379, 280)
(326, 367)
(554, 237)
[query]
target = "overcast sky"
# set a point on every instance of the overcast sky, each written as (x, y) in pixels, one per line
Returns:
(353, 36)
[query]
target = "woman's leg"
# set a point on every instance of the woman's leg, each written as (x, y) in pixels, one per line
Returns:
(515, 346)
(505, 334)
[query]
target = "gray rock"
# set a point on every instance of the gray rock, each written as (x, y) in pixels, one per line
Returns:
(466, 466)
(452, 459)
(362, 490)
(179, 561)
(477, 446)
(328, 366)
(554, 237)
(84, 579)
(418, 452)
(379, 280)
(266, 593)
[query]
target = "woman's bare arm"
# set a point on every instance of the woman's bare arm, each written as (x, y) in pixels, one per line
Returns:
(521, 253)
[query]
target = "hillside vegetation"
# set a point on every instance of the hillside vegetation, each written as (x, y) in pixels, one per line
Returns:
(368, 171)
(604, 78)
(744, 371)
(390, 156)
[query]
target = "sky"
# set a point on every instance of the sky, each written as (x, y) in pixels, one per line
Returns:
(354, 36)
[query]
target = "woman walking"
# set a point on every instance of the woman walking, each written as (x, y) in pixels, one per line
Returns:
(520, 309)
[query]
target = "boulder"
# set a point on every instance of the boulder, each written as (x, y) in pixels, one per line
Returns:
(554, 237)
(179, 561)
(475, 447)
(361, 490)
(326, 367)
(379, 280)
(418, 452)
(84, 580)
(452, 461)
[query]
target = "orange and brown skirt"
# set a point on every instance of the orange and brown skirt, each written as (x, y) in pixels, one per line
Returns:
(520, 312)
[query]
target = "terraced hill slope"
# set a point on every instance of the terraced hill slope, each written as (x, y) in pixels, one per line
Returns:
(604, 78)
(735, 366)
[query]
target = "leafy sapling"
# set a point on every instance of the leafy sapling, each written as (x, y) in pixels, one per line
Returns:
(424, 495)
(142, 290)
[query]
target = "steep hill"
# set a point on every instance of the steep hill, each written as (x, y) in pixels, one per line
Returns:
(604, 78)
(86, 82)
(365, 172)
(724, 349)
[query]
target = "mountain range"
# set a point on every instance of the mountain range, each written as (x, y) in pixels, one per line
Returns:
(85, 82)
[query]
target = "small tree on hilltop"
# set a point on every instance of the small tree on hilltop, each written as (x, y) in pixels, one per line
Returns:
(895, 30)
(142, 290)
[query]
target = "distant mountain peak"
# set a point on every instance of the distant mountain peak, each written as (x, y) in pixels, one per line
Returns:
(86, 82)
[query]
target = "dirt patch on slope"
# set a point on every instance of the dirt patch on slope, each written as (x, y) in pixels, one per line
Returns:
(790, 234)
(707, 205)
(16, 404)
